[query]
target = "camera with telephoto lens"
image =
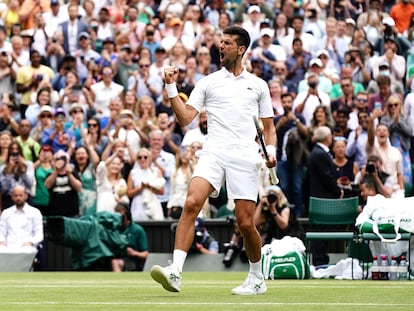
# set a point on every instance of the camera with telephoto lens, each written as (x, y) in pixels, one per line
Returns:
(370, 168)
(271, 198)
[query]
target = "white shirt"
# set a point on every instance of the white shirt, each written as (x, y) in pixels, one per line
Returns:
(311, 103)
(103, 96)
(21, 226)
(130, 136)
(52, 22)
(72, 37)
(192, 136)
(409, 109)
(231, 102)
(277, 51)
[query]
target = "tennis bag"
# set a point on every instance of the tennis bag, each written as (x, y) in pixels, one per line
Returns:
(285, 259)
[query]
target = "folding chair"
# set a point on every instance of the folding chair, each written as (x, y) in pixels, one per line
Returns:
(329, 213)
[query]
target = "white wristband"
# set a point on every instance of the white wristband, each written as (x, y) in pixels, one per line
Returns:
(171, 90)
(271, 150)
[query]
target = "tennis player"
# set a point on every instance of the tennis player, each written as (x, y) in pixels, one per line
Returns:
(231, 97)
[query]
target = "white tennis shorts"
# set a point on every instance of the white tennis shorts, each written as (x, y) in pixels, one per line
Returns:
(238, 168)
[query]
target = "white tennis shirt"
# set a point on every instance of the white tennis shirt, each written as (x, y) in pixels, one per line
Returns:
(230, 103)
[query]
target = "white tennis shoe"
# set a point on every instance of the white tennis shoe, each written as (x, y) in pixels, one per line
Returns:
(253, 285)
(169, 277)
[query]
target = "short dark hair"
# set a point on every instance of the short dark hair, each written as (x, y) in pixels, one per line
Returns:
(286, 95)
(243, 37)
(121, 207)
(383, 80)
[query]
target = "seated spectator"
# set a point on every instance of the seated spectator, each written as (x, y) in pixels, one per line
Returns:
(137, 249)
(44, 125)
(274, 218)
(42, 99)
(6, 139)
(324, 83)
(204, 242)
(198, 133)
(341, 128)
(172, 140)
(111, 187)
(30, 147)
(21, 225)
(145, 182)
(379, 100)
(357, 140)
(16, 172)
(63, 184)
(60, 137)
(345, 168)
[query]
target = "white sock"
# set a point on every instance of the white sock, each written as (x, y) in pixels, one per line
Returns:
(256, 268)
(179, 257)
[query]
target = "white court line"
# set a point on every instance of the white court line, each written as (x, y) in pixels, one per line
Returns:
(209, 303)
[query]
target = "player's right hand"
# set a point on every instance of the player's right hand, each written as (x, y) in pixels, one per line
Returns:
(170, 74)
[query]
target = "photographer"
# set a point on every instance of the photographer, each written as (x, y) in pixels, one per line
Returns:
(204, 242)
(372, 173)
(274, 217)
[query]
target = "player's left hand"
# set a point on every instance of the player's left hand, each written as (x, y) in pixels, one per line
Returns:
(271, 162)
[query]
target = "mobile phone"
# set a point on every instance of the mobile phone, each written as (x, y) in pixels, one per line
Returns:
(377, 105)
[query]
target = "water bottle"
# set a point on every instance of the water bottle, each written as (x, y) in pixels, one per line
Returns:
(375, 269)
(393, 275)
(384, 268)
(403, 269)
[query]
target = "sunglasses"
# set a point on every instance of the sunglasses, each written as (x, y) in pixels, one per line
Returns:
(77, 111)
(393, 105)
(142, 157)
(42, 116)
(362, 100)
(144, 66)
(202, 54)
(93, 124)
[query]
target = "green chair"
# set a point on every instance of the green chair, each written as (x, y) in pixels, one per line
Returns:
(331, 213)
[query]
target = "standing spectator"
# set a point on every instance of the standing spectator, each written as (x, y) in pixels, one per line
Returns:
(400, 133)
(33, 111)
(324, 84)
(6, 139)
(137, 249)
(194, 27)
(29, 77)
(145, 183)
(43, 168)
(379, 100)
(276, 90)
(143, 82)
(172, 140)
(180, 179)
(30, 147)
(16, 171)
(147, 119)
(94, 137)
(29, 9)
(85, 161)
(130, 31)
(7, 74)
(307, 39)
(163, 161)
(125, 66)
(70, 30)
(346, 73)
(346, 169)
(58, 136)
(63, 184)
(21, 226)
(296, 65)
(44, 125)
(306, 102)
(85, 57)
(105, 27)
(357, 140)
(346, 100)
(53, 18)
(402, 12)
(104, 91)
(110, 185)
(341, 128)
(282, 28)
(323, 182)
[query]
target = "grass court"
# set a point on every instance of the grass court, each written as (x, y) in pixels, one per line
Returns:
(200, 291)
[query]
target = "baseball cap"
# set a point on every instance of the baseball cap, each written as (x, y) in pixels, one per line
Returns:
(108, 40)
(54, 2)
(126, 47)
(160, 49)
(322, 52)
(27, 33)
(315, 61)
(84, 34)
(199, 223)
(253, 8)
(46, 108)
(383, 64)
(267, 32)
(126, 112)
(60, 110)
(350, 21)
(75, 106)
(47, 148)
(388, 21)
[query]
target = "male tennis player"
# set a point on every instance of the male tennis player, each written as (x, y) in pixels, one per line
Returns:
(232, 96)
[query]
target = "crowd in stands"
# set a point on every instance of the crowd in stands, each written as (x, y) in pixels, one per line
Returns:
(85, 122)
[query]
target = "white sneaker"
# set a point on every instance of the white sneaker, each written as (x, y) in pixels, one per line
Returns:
(169, 277)
(253, 285)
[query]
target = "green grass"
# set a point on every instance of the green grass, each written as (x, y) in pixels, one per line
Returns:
(200, 291)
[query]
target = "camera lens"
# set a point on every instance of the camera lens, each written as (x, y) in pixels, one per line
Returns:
(271, 198)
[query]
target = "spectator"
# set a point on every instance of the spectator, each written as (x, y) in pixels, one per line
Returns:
(21, 226)
(183, 85)
(53, 18)
(125, 66)
(204, 64)
(361, 73)
(44, 125)
(30, 147)
(292, 151)
(396, 63)
(104, 91)
(164, 161)
(94, 137)
(345, 168)
(172, 140)
(384, 70)
(324, 84)
(146, 114)
(307, 39)
(85, 161)
(71, 29)
(145, 182)
(7, 118)
(59, 137)
(109, 123)
(42, 99)
(355, 146)
(378, 144)
(199, 133)
(137, 249)
(401, 12)
(180, 179)
(296, 65)
(28, 11)
(145, 83)
(321, 117)
(194, 26)
(105, 28)
(341, 128)
(6, 139)
(15, 172)
(63, 184)
(306, 102)
(131, 102)
(85, 56)
(346, 100)
(400, 132)
(111, 187)
(43, 167)
(177, 36)
(274, 217)
(29, 77)
(346, 73)
(379, 100)
(7, 74)
(204, 242)
(244, 8)
(276, 90)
